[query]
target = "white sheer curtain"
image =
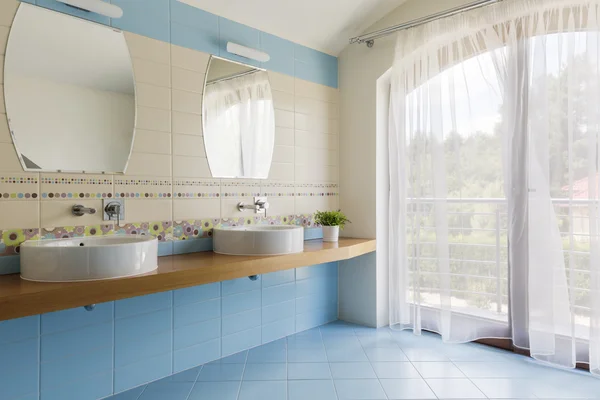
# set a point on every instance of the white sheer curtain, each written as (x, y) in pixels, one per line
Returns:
(239, 119)
(494, 124)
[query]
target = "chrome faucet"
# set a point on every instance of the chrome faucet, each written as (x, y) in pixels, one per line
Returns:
(260, 205)
(113, 209)
(79, 210)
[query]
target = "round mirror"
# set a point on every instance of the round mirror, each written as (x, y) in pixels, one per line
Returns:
(239, 120)
(70, 94)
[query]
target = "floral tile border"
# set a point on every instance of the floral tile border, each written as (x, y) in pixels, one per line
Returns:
(11, 239)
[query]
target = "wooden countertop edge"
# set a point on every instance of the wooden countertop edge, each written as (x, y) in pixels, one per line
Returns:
(59, 296)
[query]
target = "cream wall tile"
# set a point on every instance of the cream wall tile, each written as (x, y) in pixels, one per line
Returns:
(9, 162)
(190, 167)
(189, 59)
(188, 145)
(184, 79)
(4, 130)
(152, 142)
(8, 9)
(143, 186)
(75, 187)
(147, 48)
(2, 105)
(314, 124)
(283, 154)
(281, 82)
(284, 136)
(187, 102)
(153, 119)
(315, 157)
(23, 186)
(284, 119)
(283, 100)
(281, 206)
(196, 188)
(316, 140)
(3, 38)
(310, 204)
(147, 71)
(153, 96)
(145, 164)
(58, 213)
(282, 171)
(189, 124)
(240, 187)
(196, 209)
(316, 173)
(140, 210)
(317, 108)
(19, 214)
(315, 91)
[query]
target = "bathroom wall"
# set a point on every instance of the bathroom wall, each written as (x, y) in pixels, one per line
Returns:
(359, 69)
(86, 355)
(168, 190)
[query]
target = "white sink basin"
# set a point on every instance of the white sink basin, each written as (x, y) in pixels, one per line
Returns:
(89, 258)
(254, 240)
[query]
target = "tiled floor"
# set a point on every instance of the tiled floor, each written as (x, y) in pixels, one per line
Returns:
(343, 361)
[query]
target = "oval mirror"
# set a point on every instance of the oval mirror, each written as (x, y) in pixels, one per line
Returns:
(70, 94)
(239, 120)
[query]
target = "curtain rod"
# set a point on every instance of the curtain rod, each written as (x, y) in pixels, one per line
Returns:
(369, 38)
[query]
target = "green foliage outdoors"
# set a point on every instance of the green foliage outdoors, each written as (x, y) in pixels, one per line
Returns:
(478, 260)
(331, 218)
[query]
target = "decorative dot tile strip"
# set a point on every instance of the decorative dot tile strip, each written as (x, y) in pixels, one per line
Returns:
(80, 195)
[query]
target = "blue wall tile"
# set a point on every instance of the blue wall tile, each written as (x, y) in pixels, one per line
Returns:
(142, 304)
(240, 341)
(314, 66)
(76, 341)
(241, 302)
(76, 318)
(230, 31)
(278, 278)
(279, 311)
(196, 355)
(281, 52)
(10, 265)
(191, 335)
(19, 368)
(197, 312)
(241, 322)
(144, 371)
(197, 293)
(94, 387)
(146, 338)
(165, 248)
(278, 329)
(313, 233)
(19, 329)
(65, 9)
(239, 285)
(148, 18)
(192, 246)
(194, 28)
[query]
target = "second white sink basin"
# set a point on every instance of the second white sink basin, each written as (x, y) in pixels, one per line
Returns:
(88, 258)
(254, 240)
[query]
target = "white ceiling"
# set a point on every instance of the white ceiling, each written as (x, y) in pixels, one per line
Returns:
(324, 25)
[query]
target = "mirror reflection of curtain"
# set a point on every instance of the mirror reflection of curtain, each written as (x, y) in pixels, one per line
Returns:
(239, 126)
(494, 178)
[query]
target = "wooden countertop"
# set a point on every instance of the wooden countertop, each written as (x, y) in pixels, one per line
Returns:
(19, 298)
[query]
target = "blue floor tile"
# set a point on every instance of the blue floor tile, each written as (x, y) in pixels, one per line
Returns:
(343, 361)
(263, 390)
(215, 390)
(311, 389)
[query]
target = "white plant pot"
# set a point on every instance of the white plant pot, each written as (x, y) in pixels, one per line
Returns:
(331, 233)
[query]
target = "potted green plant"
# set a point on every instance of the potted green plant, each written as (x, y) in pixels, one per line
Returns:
(332, 222)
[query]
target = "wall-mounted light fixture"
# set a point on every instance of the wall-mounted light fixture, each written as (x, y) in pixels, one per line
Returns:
(96, 6)
(247, 52)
